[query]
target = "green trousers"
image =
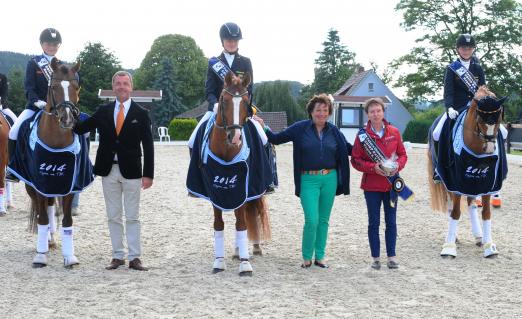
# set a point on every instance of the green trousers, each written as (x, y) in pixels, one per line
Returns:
(317, 197)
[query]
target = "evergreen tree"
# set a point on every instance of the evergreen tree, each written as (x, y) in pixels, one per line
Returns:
(276, 96)
(98, 67)
(16, 95)
(170, 104)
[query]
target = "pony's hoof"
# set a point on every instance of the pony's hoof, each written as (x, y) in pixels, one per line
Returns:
(70, 261)
(236, 254)
(490, 250)
(2, 213)
(219, 265)
(245, 269)
(257, 251)
(40, 260)
(449, 250)
(478, 241)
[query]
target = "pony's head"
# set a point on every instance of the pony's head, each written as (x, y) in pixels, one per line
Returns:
(63, 94)
(488, 116)
(233, 107)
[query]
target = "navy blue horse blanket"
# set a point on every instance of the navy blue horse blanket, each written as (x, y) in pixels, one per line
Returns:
(228, 185)
(461, 170)
(51, 172)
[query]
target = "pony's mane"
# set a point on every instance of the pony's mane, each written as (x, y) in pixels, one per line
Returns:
(482, 92)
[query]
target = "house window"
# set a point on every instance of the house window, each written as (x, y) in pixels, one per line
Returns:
(350, 117)
(370, 87)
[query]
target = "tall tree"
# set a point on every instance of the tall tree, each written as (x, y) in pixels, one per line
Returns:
(495, 24)
(189, 66)
(170, 104)
(98, 67)
(334, 65)
(273, 96)
(16, 95)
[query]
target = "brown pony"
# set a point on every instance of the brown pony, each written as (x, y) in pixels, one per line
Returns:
(480, 132)
(225, 143)
(4, 134)
(55, 130)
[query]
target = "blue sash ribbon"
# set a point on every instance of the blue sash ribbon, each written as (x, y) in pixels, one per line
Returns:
(465, 75)
(399, 188)
(45, 66)
(219, 67)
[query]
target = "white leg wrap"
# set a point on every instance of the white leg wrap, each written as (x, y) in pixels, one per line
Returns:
(9, 193)
(51, 213)
(452, 230)
(42, 243)
(242, 244)
(438, 128)
(260, 131)
(474, 219)
(2, 201)
(193, 135)
(219, 244)
(67, 241)
(486, 225)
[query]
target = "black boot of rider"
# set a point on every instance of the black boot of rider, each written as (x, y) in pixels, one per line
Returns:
(11, 147)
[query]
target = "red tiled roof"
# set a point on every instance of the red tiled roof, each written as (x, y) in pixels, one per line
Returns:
(195, 113)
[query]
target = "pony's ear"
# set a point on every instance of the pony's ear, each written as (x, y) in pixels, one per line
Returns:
(228, 78)
(54, 64)
(246, 79)
(76, 67)
(501, 101)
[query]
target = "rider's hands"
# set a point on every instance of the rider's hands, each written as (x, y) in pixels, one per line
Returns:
(452, 113)
(40, 104)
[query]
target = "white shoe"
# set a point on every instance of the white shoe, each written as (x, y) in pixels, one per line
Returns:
(449, 250)
(245, 268)
(490, 250)
(219, 265)
(69, 261)
(40, 260)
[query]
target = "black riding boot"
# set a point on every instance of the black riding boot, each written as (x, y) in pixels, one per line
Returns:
(11, 147)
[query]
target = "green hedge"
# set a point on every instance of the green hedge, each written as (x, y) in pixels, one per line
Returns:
(417, 131)
(180, 129)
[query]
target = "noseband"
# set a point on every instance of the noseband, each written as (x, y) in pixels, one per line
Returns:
(221, 112)
(485, 137)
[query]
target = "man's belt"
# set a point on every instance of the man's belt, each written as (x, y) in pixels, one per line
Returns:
(377, 156)
(465, 75)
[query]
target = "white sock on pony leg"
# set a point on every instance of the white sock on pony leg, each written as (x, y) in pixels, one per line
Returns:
(486, 225)
(452, 230)
(475, 222)
(9, 193)
(2, 200)
(42, 243)
(242, 244)
(67, 241)
(219, 244)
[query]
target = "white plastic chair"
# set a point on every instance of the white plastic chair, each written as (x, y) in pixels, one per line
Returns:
(163, 133)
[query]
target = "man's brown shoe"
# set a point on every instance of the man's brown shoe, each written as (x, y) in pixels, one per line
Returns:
(115, 263)
(136, 264)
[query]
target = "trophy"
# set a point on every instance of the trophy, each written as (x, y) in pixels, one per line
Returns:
(389, 165)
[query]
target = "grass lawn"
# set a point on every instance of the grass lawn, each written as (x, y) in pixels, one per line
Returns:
(516, 152)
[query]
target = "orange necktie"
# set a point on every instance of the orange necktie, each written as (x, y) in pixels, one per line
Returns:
(119, 119)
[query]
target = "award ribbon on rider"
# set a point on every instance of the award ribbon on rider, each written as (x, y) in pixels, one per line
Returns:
(377, 156)
(45, 66)
(219, 67)
(465, 75)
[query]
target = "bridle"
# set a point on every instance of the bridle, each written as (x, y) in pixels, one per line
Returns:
(484, 137)
(221, 111)
(65, 104)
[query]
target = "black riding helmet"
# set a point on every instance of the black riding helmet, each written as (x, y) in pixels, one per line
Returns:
(50, 35)
(466, 40)
(230, 31)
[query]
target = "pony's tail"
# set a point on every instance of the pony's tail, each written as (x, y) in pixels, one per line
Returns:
(438, 194)
(258, 220)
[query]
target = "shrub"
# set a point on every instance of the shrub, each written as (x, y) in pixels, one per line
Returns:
(417, 131)
(180, 129)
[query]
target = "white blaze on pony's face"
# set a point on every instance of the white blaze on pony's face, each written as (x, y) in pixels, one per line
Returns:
(490, 146)
(236, 140)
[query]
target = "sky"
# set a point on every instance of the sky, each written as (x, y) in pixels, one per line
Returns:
(281, 37)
